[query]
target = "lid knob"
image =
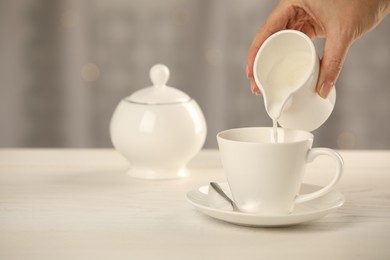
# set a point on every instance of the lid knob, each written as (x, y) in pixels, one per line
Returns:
(159, 74)
(159, 93)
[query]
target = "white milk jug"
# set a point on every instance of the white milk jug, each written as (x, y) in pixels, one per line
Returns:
(286, 70)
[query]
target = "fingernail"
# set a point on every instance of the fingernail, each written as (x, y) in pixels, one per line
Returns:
(254, 88)
(325, 89)
(253, 85)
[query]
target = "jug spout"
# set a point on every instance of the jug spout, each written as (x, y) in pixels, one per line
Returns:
(275, 106)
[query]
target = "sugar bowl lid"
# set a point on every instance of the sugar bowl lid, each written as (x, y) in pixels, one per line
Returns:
(159, 93)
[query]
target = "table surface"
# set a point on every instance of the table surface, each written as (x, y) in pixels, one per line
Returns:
(80, 204)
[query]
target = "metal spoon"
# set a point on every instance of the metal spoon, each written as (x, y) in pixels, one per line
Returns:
(219, 190)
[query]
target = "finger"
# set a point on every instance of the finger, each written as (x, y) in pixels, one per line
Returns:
(276, 21)
(308, 29)
(336, 48)
(250, 61)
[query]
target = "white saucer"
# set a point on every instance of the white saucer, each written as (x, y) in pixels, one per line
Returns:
(303, 212)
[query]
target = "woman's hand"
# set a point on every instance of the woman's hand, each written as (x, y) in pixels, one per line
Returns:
(341, 22)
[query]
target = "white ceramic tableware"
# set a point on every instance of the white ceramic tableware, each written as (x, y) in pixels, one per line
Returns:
(158, 129)
(286, 70)
(264, 176)
(208, 202)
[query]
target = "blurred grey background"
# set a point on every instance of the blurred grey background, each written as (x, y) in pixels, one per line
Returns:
(66, 64)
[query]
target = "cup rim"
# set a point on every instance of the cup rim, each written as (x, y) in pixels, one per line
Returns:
(220, 135)
(269, 39)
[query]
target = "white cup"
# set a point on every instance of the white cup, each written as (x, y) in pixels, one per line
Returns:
(265, 177)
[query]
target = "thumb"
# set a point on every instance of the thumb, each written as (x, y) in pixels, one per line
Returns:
(331, 63)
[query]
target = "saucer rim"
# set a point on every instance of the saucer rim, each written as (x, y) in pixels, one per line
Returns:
(277, 220)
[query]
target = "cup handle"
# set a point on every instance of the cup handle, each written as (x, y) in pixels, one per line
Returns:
(311, 155)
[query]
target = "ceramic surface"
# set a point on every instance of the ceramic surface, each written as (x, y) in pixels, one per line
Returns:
(304, 212)
(305, 109)
(158, 129)
(265, 176)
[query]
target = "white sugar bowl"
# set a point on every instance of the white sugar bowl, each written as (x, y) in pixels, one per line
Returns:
(158, 129)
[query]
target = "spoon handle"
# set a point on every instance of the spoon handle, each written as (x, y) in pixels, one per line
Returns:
(219, 190)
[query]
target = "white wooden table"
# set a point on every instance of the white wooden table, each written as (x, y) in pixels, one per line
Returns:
(80, 204)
